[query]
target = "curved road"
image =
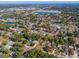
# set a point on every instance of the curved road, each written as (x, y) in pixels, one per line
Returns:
(31, 47)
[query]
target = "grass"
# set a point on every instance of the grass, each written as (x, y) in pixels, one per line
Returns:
(2, 39)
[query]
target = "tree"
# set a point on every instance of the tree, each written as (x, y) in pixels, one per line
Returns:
(3, 27)
(70, 41)
(50, 38)
(18, 49)
(26, 34)
(18, 44)
(61, 41)
(16, 37)
(16, 55)
(24, 42)
(35, 53)
(5, 52)
(32, 36)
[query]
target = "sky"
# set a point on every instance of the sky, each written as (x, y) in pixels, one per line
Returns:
(39, 0)
(36, 2)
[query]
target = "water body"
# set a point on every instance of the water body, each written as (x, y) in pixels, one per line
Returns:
(42, 12)
(7, 19)
(9, 23)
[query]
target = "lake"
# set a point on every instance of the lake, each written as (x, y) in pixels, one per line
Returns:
(9, 23)
(7, 18)
(42, 12)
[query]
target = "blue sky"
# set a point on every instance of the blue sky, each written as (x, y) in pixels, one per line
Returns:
(36, 2)
(39, 0)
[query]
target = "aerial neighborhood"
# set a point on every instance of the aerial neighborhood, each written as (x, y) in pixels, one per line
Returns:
(39, 31)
